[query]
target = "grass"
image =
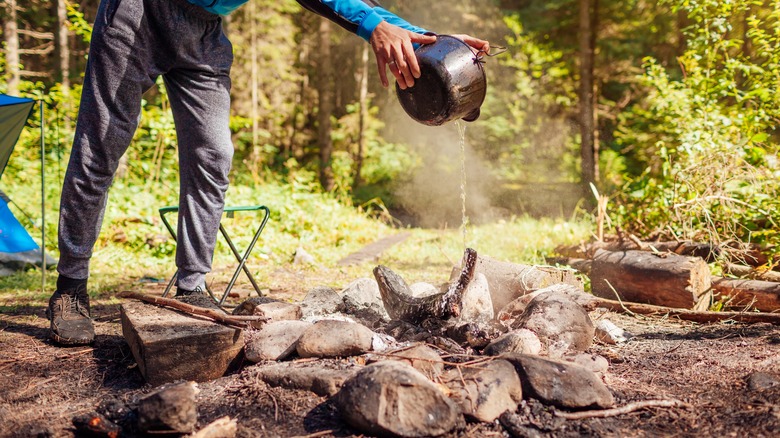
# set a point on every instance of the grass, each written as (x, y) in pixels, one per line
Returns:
(134, 245)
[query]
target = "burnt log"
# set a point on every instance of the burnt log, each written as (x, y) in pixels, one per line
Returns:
(667, 279)
(760, 295)
(401, 305)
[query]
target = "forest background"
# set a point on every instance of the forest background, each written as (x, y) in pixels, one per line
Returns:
(666, 110)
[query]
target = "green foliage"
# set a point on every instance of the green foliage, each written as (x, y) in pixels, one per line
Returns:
(706, 145)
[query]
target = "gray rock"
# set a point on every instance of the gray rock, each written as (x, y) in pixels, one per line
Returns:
(313, 376)
(593, 362)
(302, 257)
(475, 334)
(170, 409)
(760, 381)
(392, 398)
(330, 338)
(560, 384)
(362, 301)
(521, 341)
(422, 289)
(511, 311)
(608, 333)
(320, 301)
(363, 292)
(276, 340)
(421, 357)
(477, 304)
(489, 390)
(562, 325)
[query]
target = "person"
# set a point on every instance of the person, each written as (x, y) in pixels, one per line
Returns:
(134, 42)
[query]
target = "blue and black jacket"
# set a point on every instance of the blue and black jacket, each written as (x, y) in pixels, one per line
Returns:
(357, 16)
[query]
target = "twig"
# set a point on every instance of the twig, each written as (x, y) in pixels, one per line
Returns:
(316, 434)
(631, 407)
(222, 318)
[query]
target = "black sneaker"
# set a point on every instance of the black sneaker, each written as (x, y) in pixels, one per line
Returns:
(68, 312)
(197, 297)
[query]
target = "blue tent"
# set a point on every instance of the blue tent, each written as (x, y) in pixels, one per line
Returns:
(17, 249)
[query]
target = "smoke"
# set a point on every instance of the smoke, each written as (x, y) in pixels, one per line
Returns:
(431, 197)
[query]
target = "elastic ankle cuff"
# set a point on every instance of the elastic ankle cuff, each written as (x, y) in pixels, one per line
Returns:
(67, 283)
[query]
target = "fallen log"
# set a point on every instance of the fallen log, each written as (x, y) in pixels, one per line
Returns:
(401, 305)
(683, 314)
(706, 251)
(751, 272)
(757, 294)
(665, 279)
(235, 321)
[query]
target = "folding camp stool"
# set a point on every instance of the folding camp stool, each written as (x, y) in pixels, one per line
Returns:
(230, 211)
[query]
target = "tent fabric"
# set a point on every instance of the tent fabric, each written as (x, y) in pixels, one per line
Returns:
(13, 115)
(13, 237)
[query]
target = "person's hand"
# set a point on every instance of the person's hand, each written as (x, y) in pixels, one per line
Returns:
(393, 48)
(475, 43)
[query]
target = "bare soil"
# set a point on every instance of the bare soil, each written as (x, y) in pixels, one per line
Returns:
(42, 386)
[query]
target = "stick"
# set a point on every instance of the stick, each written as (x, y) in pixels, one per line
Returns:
(222, 318)
(316, 434)
(631, 407)
(684, 314)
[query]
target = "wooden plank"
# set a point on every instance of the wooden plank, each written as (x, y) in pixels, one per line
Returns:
(372, 251)
(169, 345)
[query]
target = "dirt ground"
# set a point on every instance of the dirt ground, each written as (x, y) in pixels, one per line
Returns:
(42, 387)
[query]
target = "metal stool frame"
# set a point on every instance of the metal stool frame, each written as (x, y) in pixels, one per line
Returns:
(230, 211)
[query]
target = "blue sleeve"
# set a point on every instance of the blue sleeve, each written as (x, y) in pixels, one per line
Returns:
(360, 17)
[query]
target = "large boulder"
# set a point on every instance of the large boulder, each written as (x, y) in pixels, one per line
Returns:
(486, 392)
(477, 306)
(320, 301)
(276, 340)
(392, 398)
(331, 338)
(560, 384)
(562, 325)
(521, 341)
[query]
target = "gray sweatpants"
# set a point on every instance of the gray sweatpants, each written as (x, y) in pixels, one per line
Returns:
(134, 42)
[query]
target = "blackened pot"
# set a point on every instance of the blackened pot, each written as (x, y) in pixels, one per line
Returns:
(452, 84)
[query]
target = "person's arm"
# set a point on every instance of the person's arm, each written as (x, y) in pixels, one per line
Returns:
(392, 38)
(357, 16)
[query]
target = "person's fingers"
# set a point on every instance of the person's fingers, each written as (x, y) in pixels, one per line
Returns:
(399, 77)
(414, 66)
(381, 65)
(403, 67)
(476, 43)
(422, 38)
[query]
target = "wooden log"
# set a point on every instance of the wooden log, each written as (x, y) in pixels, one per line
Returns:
(747, 254)
(757, 294)
(168, 345)
(751, 272)
(686, 248)
(508, 281)
(683, 314)
(667, 279)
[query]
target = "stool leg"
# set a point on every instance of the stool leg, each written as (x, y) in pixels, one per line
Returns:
(239, 258)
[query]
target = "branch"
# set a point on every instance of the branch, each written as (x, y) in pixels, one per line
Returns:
(240, 322)
(35, 34)
(631, 407)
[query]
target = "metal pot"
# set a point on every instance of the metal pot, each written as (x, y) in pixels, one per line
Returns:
(452, 84)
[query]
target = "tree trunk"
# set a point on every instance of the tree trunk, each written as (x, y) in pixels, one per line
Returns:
(325, 91)
(12, 49)
(362, 119)
(63, 48)
(254, 155)
(587, 39)
(642, 277)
